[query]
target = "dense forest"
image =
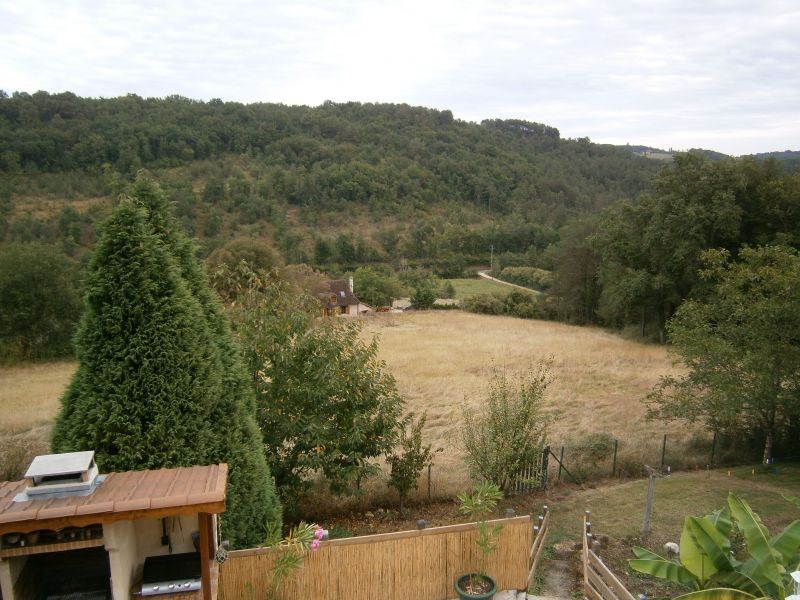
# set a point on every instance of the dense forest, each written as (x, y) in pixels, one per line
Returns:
(391, 188)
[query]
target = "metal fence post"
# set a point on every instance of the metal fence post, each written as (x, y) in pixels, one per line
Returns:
(545, 463)
(429, 481)
(560, 463)
(713, 448)
(614, 463)
(663, 451)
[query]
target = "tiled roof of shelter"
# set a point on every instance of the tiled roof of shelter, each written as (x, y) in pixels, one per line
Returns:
(119, 496)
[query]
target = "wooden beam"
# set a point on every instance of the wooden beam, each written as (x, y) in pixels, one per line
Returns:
(57, 523)
(205, 556)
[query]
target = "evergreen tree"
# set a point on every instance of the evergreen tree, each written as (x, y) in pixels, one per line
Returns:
(143, 276)
(141, 395)
(251, 492)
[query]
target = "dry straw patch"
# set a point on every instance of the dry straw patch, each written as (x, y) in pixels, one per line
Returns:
(442, 359)
(29, 394)
(29, 401)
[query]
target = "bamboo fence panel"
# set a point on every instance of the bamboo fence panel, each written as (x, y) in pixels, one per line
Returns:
(409, 564)
(599, 582)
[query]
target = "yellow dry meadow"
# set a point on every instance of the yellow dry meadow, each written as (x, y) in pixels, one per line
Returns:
(442, 359)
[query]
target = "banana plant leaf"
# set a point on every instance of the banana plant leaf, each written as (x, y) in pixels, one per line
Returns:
(762, 566)
(704, 550)
(787, 543)
(721, 519)
(665, 569)
(793, 499)
(736, 580)
(640, 552)
(718, 594)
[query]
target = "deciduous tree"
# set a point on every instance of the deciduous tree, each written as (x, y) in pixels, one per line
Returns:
(326, 403)
(741, 346)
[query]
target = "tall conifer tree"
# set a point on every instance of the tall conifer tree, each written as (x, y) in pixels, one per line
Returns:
(180, 397)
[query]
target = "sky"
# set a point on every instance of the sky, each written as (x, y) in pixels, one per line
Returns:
(723, 75)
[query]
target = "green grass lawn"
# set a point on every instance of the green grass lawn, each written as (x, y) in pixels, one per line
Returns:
(617, 510)
(470, 287)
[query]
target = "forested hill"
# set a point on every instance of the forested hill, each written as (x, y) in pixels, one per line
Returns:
(383, 155)
(390, 190)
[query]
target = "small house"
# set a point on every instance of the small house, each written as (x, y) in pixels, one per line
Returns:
(339, 299)
(68, 531)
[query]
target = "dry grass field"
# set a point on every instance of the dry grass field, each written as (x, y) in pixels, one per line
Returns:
(28, 404)
(440, 359)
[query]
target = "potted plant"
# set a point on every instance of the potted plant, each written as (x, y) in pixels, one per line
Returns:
(479, 505)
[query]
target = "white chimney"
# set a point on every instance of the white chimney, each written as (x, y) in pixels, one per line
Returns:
(61, 473)
(351, 285)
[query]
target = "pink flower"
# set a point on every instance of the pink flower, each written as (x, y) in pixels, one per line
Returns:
(315, 544)
(319, 533)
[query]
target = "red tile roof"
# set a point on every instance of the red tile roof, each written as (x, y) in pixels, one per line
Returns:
(132, 494)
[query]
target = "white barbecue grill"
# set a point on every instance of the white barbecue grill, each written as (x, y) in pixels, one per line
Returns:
(171, 574)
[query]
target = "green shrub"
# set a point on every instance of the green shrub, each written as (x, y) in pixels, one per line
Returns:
(509, 430)
(486, 304)
(40, 302)
(531, 277)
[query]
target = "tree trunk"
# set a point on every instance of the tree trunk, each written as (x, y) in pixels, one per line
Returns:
(768, 448)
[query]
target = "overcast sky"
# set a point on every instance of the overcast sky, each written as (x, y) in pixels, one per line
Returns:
(723, 75)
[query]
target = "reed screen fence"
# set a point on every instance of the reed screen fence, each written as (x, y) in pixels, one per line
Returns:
(420, 564)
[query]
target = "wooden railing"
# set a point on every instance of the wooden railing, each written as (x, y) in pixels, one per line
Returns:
(599, 583)
(540, 537)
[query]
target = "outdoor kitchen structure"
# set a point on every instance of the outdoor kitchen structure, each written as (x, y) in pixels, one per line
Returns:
(67, 531)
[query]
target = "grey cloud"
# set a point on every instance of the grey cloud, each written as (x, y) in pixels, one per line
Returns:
(681, 73)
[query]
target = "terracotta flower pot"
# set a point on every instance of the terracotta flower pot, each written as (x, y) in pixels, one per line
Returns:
(463, 587)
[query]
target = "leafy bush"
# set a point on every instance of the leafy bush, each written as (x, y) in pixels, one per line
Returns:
(537, 279)
(375, 288)
(485, 304)
(447, 290)
(423, 296)
(40, 302)
(409, 458)
(326, 403)
(508, 432)
(587, 455)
